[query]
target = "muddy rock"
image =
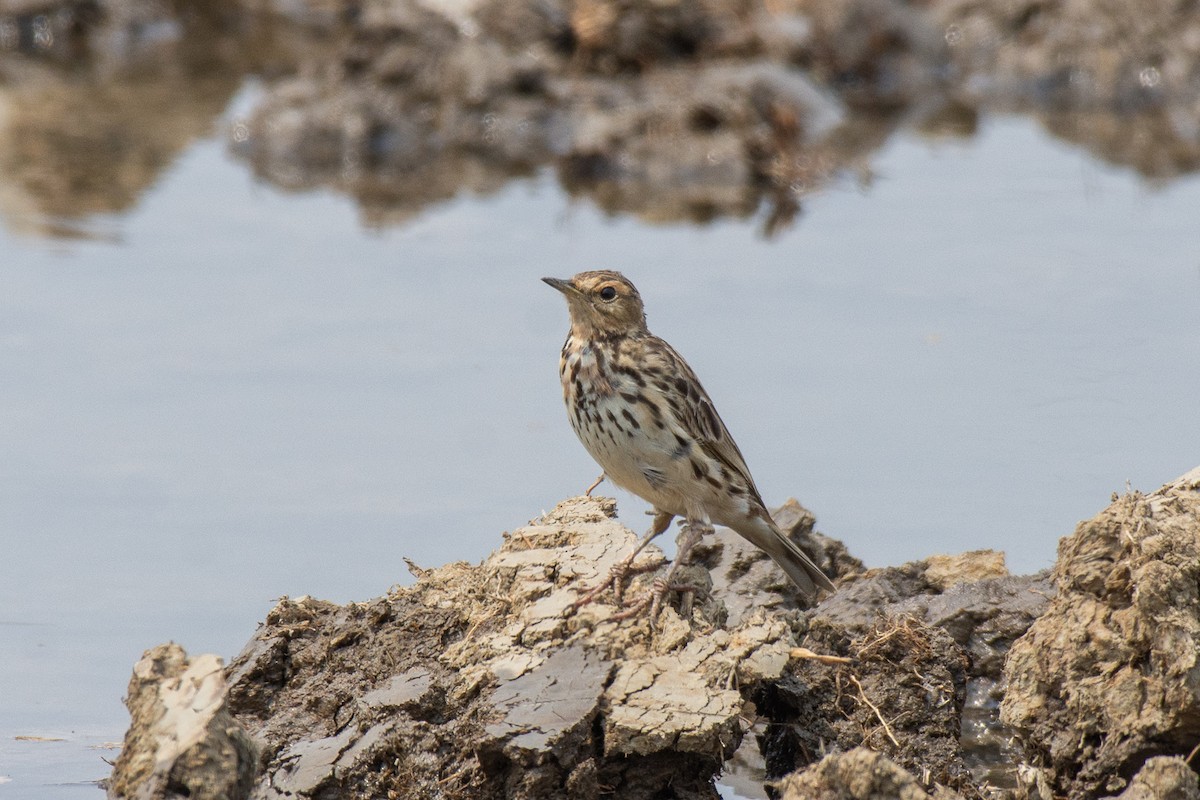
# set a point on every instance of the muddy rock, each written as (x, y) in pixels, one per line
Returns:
(678, 111)
(687, 143)
(969, 611)
(900, 693)
(860, 774)
(1162, 778)
(480, 681)
(182, 741)
(1122, 84)
(1080, 54)
(484, 682)
(681, 111)
(630, 35)
(1110, 673)
(475, 682)
(98, 97)
(970, 595)
(745, 578)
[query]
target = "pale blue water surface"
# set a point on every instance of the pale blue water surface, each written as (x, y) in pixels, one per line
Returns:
(236, 394)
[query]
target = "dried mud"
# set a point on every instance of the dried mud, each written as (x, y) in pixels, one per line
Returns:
(1110, 674)
(477, 682)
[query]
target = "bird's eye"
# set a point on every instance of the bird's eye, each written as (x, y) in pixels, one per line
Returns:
(608, 293)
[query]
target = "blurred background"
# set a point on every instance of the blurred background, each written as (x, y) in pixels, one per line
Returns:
(270, 317)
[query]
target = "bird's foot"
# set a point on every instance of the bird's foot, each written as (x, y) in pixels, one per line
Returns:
(619, 572)
(656, 597)
(689, 537)
(617, 576)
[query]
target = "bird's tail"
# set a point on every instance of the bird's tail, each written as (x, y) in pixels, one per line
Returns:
(807, 576)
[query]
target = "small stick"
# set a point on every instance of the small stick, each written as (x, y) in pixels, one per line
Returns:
(804, 652)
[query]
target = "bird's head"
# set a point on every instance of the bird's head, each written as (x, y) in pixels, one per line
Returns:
(602, 303)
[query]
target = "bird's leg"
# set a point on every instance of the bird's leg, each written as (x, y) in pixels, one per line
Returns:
(595, 483)
(689, 537)
(617, 575)
(661, 521)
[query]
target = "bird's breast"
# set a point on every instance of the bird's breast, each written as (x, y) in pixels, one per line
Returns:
(584, 370)
(624, 424)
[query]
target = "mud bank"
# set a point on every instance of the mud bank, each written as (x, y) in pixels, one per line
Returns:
(672, 111)
(697, 109)
(476, 682)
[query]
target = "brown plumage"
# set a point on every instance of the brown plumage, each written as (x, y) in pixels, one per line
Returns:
(641, 412)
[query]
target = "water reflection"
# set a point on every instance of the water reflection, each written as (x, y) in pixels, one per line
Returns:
(97, 100)
(680, 113)
(119, 139)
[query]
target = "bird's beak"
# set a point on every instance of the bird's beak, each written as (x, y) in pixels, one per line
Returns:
(566, 287)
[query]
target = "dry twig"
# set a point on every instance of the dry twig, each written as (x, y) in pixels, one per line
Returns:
(863, 696)
(804, 652)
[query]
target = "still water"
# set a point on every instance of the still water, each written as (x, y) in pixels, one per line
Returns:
(230, 393)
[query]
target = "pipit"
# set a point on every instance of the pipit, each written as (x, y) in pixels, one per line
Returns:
(641, 412)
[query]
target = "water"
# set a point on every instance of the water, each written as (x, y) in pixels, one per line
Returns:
(228, 393)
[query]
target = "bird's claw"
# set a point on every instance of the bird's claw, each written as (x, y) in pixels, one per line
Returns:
(618, 573)
(616, 579)
(656, 597)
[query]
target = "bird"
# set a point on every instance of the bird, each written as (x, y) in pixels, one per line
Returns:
(642, 414)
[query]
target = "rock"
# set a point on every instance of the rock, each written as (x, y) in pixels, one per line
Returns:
(182, 741)
(860, 774)
(945, 572)
(969, 595)
(1162, 778)
(1079, 54)
(673, 111)
(1110, 673)
(100, 96)
(969, 611)
(746, 579)
(483, 682)
(986, 616)
(630, 35)
(474, 682)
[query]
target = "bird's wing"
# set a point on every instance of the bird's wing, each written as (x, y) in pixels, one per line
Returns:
(697, 414)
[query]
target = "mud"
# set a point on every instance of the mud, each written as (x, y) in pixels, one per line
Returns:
(683, 111)
(860, 774)
(182, 741)
(480, 681)
(1110, 674)
(475, 683)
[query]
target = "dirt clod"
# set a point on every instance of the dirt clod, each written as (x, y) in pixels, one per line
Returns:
(1110, 673)
(860, 774)
(182, 741)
